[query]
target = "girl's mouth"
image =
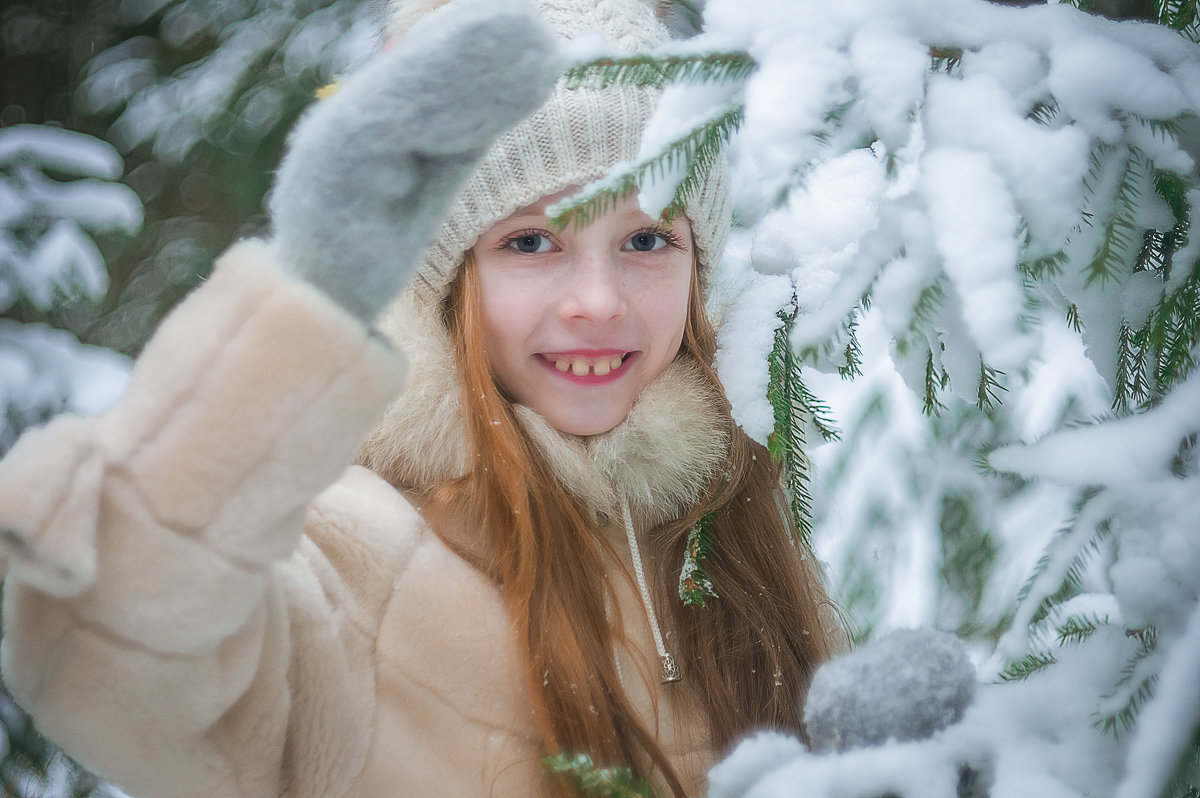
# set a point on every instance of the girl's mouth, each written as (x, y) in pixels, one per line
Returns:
(587, 367)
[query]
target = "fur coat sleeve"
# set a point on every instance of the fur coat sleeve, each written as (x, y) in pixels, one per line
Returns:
(159, 583)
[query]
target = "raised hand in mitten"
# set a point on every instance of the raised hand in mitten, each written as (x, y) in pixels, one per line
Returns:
(374, 169)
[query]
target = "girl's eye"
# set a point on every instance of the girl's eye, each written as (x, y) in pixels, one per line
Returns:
(530, 243)
(645, 241)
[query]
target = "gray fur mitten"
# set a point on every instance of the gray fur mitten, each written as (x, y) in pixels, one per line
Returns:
(884, 721)
(374, 169)
(905, 686)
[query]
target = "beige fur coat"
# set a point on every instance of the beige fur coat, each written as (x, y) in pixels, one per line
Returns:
(205, 598)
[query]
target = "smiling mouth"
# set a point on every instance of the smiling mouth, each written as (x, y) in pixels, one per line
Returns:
(583, 366)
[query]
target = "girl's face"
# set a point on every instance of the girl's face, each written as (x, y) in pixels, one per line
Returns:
(577, 322)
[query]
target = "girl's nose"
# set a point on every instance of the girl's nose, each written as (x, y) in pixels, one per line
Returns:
(594, 291)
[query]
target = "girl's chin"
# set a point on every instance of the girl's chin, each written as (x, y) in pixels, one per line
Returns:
(583, 424)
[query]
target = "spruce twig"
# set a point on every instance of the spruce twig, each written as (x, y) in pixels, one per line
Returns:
(1058, 574)
(937, 379)
(1028, 665)
(1044, 112)
(786, 441)
(1129, 385)
(597, 782)
(1180, 15)
(697, 151)
(1045, 268)
(1072, 580)
(1118, 712)
(851, 365)
(794, 405)
(651, 70)
(695, 586)
(1169, 340)
(987, 395)
(1119, 230)
(1078, 628)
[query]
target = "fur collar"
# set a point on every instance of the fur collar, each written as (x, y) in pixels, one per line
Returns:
(659, 459)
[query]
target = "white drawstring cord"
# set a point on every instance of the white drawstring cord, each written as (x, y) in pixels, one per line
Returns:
(670, 671)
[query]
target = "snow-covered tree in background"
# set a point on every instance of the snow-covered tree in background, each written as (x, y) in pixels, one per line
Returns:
(968, 263)
(58, 190)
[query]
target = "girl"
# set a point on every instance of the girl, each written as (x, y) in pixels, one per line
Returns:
(203, 599)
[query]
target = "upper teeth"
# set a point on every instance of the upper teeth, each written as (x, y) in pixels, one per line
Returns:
(581, 366)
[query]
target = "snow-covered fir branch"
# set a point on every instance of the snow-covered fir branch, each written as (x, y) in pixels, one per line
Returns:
(998, 204)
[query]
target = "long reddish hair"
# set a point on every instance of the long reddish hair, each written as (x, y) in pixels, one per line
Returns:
(746, 658)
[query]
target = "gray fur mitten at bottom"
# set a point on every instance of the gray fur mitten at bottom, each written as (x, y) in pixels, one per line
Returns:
(883, 722)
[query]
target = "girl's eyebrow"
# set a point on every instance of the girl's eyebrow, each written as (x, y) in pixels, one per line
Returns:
(530, 213)
(536, 208)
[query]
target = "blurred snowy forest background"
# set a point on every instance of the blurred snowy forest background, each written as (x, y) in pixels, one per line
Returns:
(965, 275)
(137, 139)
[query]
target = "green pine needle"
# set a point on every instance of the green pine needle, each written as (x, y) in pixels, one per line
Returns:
(1170, 128)
(1129, 386)
(1157, 252)
(923, 319)
(695, 586)
(1046, 268)
(786, 441)
(1078, 628)
(851, 365)
(651, 70)
(1135, 686)
(937, 379)
(1122, 721)
(1170, 337)
(697, 151)
(1073, 319)
(818, 412)
(794, 405)
(930, 301)
(1030, 664)
(1173, 189)
(1177, 14)
(1121, 228)
(1072, 580)
(1072, 583)
(987, 395)
(1045, 112)
(596, 782)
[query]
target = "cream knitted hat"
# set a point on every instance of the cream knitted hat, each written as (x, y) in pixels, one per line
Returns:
(576, 137)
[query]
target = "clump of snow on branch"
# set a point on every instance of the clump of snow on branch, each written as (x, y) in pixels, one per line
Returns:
(750, 327)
